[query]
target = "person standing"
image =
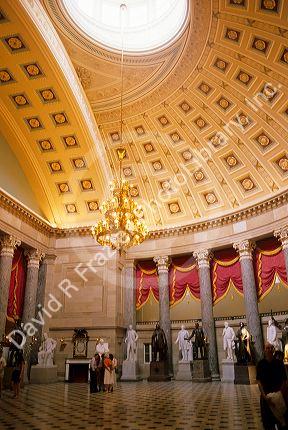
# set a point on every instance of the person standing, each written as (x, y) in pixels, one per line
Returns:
(108, 374)
(18, 371)
(271, 378)
(2, 366)
(94, 374)
(114, 370)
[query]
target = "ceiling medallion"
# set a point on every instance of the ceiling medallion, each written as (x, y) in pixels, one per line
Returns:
(122, 225)
(71, 208)
(263, 140)
(93, 206)
(231, 161)
(174, 208)
(199, 175)
(283, 164)
(269, 4)
(185, 107)
(247, 184)
(210, 198)
(5, 76)
(260, 44)
(45, 145)
(187, 155)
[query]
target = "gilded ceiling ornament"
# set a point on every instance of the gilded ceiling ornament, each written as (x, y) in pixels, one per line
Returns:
(134, 191)
(86, 184)
(174, 208)
(244, 77)
(127, 171)
(231, 161)
(232, 34)
(220, 64)
(34, 122)
(210, 198)
(71, 208)
(93, 206)
(115, 136)
(20, 100)
(260, 45)
(157, 165)
(199, 175)
(79, 163)
(165, 185)
(238, 2)
(269, 92)
(263, 140)
(148, 147)
(15, 43)
(243, 120)
(285, 56)
(63, 187)
(70, 141)
(47, 95)
(163, 120)
(283, 164)
(5, 76)
(216, 140)
(84, 76)
(140, 130)
(33, 70)
(45, 145)
(185, 107)
(187, 155)
(55, 166)
(59, 118)
(175, 137)
(223, 103)
(205, 88)
(247, 184)
(200, 122)
(269, 4)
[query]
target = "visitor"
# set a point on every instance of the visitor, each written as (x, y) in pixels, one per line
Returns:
(114, 370)
(108, 374)
(2, 365)
(271, 378)
(95, 373)
(18, 370)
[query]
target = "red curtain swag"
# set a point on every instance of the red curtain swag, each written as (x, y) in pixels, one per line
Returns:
(17, 286)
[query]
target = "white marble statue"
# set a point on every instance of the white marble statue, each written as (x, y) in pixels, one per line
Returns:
(228, 340)
(185, 346)
(46, 351)
(102, 347)
(272, 335)
(131, 343)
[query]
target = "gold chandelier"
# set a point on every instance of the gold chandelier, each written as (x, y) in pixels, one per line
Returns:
(122, 225)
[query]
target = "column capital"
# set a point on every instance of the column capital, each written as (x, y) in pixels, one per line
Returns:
(34, 257)
(162, 263)
(245, 249)
(8, 245)
(282, 235)
(202, 256)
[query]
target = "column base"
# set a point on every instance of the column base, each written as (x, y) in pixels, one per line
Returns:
(201, 371)
(43, 375)
(130, 371)
(245, 374)
(184, 372)
(159, 371)
(228, 373)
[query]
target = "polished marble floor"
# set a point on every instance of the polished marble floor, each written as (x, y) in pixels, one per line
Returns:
(142, 405)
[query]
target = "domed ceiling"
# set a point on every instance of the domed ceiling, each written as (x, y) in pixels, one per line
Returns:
(204, 119)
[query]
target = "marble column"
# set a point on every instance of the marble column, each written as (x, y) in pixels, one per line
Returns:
(203, 260)
(282, 235)
(34, 257)
(129, 286)
(8, 245)
(245, 249)
(164, 303)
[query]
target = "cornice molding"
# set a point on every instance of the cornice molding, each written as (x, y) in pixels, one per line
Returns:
(30, 218)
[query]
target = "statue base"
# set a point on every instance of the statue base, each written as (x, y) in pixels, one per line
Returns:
(228, 374)
(43, 375)
(159, 371)
(184, 371)
(201, 371)
(130, 371)
(245, 374)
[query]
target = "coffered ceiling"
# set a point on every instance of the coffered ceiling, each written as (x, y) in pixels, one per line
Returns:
(205, 119)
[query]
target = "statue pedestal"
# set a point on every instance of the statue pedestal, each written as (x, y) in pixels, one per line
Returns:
(228, 374)
(245, 374)
(201, 371)
(184, 371)
(43, 375)
(130, 371)
(159, 371)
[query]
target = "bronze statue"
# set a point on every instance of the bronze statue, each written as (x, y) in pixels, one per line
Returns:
(199, 344)
(242, 345)
(159, 344)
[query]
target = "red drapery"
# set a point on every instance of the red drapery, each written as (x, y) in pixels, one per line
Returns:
(146, 282)
(268, 261)
(183, 275)
(225, 271)
(17, 286)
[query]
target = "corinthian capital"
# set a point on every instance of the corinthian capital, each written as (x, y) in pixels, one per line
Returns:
(34, 256)
(245, 249)
(202, 256)
(162, 263)
(282, 235)
(8, 244)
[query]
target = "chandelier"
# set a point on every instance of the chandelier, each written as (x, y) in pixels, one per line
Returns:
(122, 225)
